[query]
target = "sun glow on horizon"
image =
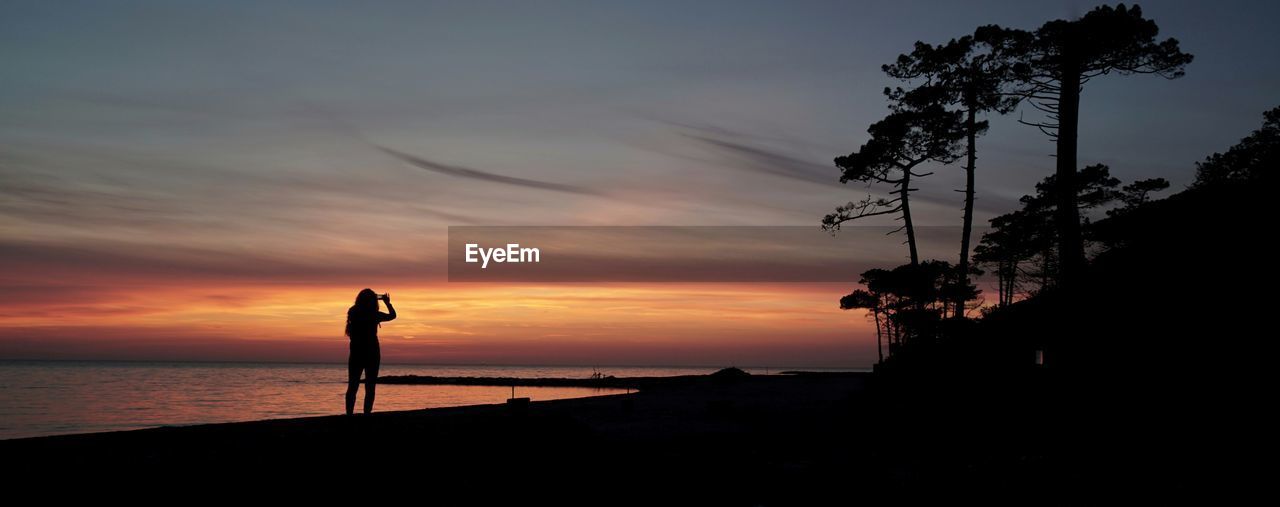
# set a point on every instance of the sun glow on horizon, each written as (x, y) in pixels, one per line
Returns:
(510, 323)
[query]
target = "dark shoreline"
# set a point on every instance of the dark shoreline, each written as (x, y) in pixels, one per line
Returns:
(768, 430)
(678, 382)
(606, 382)
(614, 382)
(598, 382)
(730, 439)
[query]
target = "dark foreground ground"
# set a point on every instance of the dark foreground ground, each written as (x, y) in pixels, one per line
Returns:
(762, 440)
(744, 436)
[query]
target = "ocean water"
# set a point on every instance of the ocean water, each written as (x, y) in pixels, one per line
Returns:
(40, 398)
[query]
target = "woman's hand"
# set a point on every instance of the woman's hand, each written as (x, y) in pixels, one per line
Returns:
(391, 310)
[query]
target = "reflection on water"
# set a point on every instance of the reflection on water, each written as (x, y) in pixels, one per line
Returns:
(55, 397)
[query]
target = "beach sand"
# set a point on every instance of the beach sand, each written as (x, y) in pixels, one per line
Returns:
(736, 439)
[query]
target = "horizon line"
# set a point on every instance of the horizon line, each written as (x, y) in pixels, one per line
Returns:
(343, 363)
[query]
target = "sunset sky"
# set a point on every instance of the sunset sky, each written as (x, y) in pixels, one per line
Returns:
(204, 180)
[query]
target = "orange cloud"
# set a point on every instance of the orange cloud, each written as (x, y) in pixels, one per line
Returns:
(779, 324)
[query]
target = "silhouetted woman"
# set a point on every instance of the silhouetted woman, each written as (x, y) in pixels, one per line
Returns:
(363, 320)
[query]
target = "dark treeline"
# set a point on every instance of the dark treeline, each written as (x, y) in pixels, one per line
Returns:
(937, 117)
(1101, 364)
(1021, 247)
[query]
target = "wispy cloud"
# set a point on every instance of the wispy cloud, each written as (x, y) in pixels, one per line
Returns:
(748, 153)
(767, 161)
(476, 174)
(52, 264)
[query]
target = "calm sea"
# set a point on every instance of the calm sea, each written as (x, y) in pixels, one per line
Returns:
(59, 397)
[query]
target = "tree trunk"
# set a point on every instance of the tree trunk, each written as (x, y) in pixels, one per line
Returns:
(967, 229)
(879, 350)
(1011, 282)
(1001, 278)
(906, 216)
(1070, 242)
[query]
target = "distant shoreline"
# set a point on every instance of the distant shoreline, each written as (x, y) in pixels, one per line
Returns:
(385, 364)
(739, 427)
(43, 398)
(669, 384)
(606, 381)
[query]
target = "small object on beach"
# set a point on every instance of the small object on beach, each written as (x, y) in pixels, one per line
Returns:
(517, 404)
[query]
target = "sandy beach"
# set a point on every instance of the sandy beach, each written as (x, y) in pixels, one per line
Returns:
(803, 439)
(756, 433)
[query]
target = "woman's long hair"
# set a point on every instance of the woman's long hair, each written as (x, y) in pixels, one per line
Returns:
(366, 303)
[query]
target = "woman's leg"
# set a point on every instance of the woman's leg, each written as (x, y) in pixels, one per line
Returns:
(371, 379)
(353, 381)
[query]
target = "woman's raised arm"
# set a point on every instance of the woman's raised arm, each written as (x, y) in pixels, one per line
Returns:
(391, 310)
